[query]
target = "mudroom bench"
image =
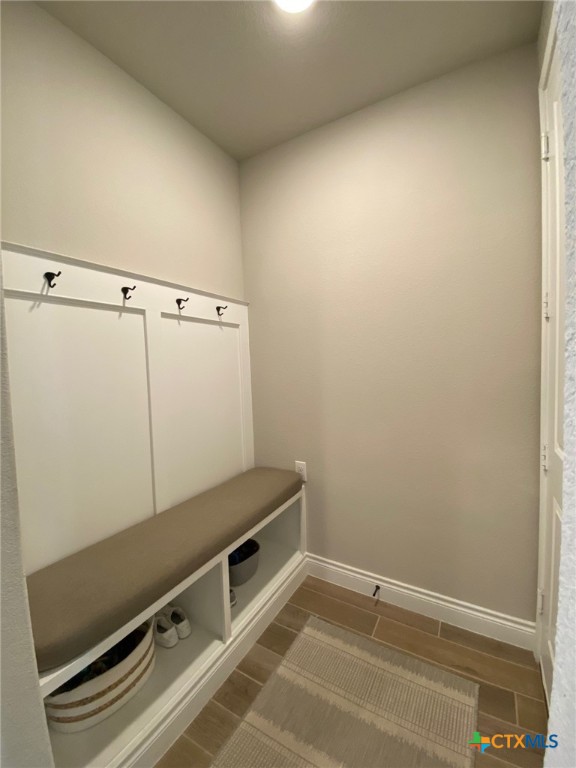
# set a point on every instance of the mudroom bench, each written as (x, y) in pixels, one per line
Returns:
(82, 605)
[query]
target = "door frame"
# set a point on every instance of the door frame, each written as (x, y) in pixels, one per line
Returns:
(549, 52)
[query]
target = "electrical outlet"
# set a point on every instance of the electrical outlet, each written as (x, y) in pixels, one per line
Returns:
(300, 467)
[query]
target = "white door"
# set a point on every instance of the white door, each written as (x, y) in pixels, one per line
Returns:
(552, 366)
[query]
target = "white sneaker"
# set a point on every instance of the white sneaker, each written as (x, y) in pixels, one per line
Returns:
(164, 631)
(178, 619)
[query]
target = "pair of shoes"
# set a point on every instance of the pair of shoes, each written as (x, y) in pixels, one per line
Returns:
(165, 633)
(170, 625)
(233, 600)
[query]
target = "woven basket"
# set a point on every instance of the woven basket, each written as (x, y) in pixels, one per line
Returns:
(91, 702)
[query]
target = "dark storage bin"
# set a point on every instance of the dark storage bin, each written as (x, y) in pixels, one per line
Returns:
(243, 562)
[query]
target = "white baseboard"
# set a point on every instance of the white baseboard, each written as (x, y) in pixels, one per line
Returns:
(484, 621)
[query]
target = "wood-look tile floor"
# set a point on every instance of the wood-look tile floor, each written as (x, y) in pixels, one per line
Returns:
(511, 696)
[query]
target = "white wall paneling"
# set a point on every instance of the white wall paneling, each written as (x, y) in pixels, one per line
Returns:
(122, 408)
(80, 408)
(197, 412)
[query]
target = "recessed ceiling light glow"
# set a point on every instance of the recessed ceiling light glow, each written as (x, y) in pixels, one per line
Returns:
(294, 6)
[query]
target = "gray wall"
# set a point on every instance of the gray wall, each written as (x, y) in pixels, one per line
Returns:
(392, 262)
(96, 167)
(564, 687)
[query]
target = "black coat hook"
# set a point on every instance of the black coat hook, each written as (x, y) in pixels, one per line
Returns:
(181, 301)
(49, 277)
(126, 290)
(220, 310)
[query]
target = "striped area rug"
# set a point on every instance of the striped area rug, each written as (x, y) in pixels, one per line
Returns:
(341, 700)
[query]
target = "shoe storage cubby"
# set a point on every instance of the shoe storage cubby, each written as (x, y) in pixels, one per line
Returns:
(280, 549)
(174, 673)
(185, 676)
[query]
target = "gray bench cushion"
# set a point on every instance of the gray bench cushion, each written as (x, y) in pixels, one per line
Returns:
(79, 601)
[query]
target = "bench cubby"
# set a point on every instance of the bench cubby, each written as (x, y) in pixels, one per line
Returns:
(186, 676)
(280, 550)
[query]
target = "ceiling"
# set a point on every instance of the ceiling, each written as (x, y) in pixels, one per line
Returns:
(250, 76)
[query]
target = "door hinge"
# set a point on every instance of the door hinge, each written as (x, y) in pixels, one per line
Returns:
(545, 457)
(546, 314)
(545, 147)
(540, 602)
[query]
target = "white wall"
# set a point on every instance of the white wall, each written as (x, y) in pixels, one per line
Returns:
(392, 265)
(96, 167)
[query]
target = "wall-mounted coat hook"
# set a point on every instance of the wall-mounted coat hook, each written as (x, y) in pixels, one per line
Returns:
(179, 302)
(220, 310)
(49, 277)
(126, 290)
